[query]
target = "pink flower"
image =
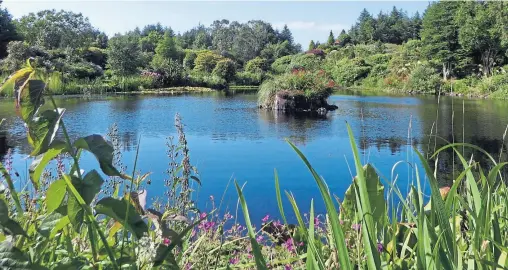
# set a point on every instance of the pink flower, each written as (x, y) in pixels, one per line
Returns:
(249, 256)
(228, 216)
(287, 267)
(166, 241)
(234, 260)
(277, 223)
(266, 218)
(259, 238)
(316, 222)
(289, 245)
(356, 227)
(203, 215)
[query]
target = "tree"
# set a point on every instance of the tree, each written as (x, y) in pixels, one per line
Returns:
(344, 38)
(440, 35)
(52, 30)
(365, 27)
(274, 51)
(415, 26)
(225, 69)
(286, 35)
(480, 31)
(312, 45)
(124, 55)
(331, 38)
(206, 61)
(202, 41)
(251, 38)
(7, 31)
(149, 42)
(222, 35)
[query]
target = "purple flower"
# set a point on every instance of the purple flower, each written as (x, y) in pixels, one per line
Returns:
(259, 238)
(249, 256)
(211, 198)
(228, 216)
(316, 222)
(289, 245)
(188, 266)
(234, 260)
(203, 215)
(166, 241)
(287, 267)
(277, 223)
(380, 247)
(356, 227)
(266, 218)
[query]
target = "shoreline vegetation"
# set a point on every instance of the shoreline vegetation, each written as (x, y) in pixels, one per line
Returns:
(457, 48)
(67, 218)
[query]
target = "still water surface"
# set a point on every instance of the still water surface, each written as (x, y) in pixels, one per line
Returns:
(230, 138)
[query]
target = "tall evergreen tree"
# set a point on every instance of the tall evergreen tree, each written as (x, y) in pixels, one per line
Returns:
(440, 35)
(365, 27)
(312, 45)
(331, 38)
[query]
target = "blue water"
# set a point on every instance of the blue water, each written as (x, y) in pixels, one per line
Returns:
(231, 139)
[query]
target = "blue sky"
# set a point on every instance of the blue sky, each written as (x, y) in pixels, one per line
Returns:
(307, 20)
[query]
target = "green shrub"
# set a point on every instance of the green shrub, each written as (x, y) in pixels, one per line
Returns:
(190, 57)
(457, 86)
(203, 79)
(248, 78)
(493, 84)
(305, 61)
(225, 69)
(423, 79)
(96, 56)
(378, 59)
(256, 65)
(347, 72)
(281, 64)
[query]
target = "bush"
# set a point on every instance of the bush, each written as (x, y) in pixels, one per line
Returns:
(225, 69)
(378, 59)
(423, 79)
(493, 84)
(171, 72)
(256, 65)
(96, 56)
(458, 86)
(83, 70)
(305, 61)
(346, 72)
(281, 64)
(248, 78)
(203, 79)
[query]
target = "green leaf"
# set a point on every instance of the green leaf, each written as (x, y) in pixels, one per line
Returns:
(39, 164)
(279, 197)
(117, 210)
(4, 212)
(12, 258)
(12, 227)
(42, 130)
(375, 191)
(30, 98)
(258, 256)
(75, 211)
(91, 186)
(337, 233)
(102, 150)
(50, 221)
(55, 195)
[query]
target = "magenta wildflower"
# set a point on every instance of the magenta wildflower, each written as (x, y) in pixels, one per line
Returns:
(228, 216)
(249, 256)
(356, 227)
(188, 266)
(289, 245)
(287, 267)
(234, 260)
(316, 222)
(202, 215)
(166, 241)
(266, 218)
(277, 223)
(380, 247)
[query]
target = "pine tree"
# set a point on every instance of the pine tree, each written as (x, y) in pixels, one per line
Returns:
(312, 45)
(331, 38)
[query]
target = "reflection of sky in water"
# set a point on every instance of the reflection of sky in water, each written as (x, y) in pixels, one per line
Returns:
(230, 138)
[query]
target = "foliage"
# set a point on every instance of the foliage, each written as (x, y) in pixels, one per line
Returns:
(206, 61)
(315, 86)
(51, 29)
(124, 55)
(7, 31)
(423, 79)
(249, 78)
(346, 72)
(281, 64)
(225, 69)
(256, 65)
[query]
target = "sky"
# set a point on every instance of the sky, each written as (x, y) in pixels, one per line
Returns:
(307, 20)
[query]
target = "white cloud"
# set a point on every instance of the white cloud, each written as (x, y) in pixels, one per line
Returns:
(310, 26)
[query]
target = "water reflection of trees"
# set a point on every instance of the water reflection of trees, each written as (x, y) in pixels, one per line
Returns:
(298, 127)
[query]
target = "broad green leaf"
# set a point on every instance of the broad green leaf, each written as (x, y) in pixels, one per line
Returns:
(4, 212)
(12, 227)
(12, 258)
(91, 186)
(102, 150)
(42, 130)
(375, 191)
(117, 210)
(49, 222)
(16, 80)
(30, 98)
(75, 211)
(55, 195)
(39, 164)
(258, 256)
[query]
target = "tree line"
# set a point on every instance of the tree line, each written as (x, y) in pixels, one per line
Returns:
(452, 40)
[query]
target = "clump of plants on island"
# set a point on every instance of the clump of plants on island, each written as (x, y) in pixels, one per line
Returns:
(74, 219)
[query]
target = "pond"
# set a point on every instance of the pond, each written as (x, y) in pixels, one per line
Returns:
(230, 138)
